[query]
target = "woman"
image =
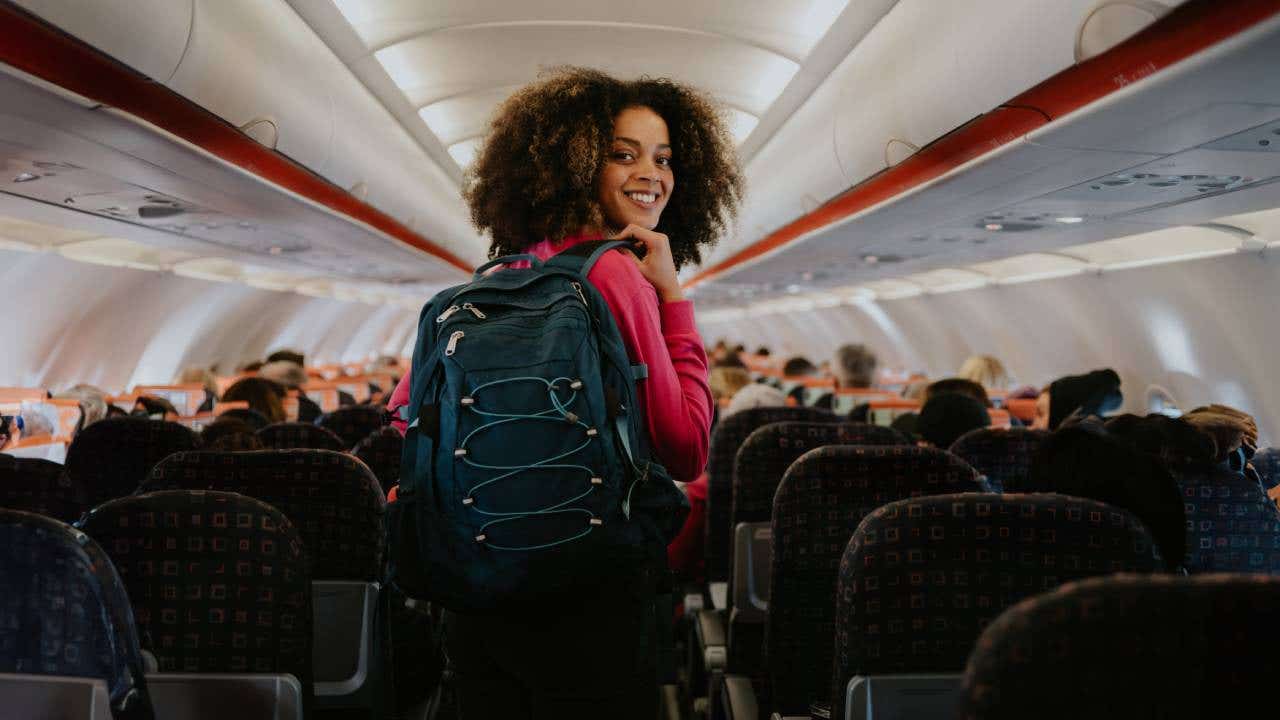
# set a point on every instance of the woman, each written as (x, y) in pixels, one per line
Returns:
(579, 156)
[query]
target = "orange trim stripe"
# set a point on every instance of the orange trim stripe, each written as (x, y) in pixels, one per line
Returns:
(1188, 29)
(40, 49)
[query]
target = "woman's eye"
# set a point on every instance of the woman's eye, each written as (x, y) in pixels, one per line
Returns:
(622, 155)
(664, 161)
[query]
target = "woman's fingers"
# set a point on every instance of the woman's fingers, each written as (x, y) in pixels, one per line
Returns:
(657, 265)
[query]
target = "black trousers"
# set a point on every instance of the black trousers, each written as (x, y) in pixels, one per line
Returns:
(586, 657)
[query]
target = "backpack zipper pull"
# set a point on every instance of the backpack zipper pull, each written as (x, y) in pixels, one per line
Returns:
(452, 347)
(475, 310)
(450, 311)
(578, 288)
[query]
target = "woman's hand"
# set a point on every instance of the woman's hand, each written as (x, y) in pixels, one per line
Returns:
(657, 266)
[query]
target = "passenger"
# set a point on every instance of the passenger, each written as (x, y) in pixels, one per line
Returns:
(946, 416)
(1093, 393)
(799, 366)
(985, 370)
(292, 377)
(230, 433)
(762, 351)
(956, 385)
(207, 379)
(263, 395)
(725, 382)
(249, 416)
(1083, 460)
(854, 366)
(561, 163)
(36, 426)
(156, 408)
(753, 396)
(1174, 441)
(92, 401)
(285, 355)
(731, 361)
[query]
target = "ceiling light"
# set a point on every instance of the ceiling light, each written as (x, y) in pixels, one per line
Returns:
(993, 226)
(26, 177)
(1070, 220)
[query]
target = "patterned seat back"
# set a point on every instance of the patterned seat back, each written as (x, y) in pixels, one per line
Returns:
(65, 611)
(1142, 646)
(381, 452)
(821, 500)
(331, 498)
(354, 422)
(1231, 525)
(299, 436)
(1003, 455)
(218, 581)
(921, 578)
(41, 486)
(112, 457)
(726, 438)
(767, 453)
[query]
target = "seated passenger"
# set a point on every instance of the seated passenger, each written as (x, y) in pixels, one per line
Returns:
(725, 382)
(263, 395)
(156, 408)
(763, 351)
(985, 370)
(92, 402)
(285, 355)
(1093, 393)
(852, 366)
(292, 377)
(753, 396)
(959, 386)
(207, 379)
(230, 433)
(798, 367)
(946, 416)
(1083, 460)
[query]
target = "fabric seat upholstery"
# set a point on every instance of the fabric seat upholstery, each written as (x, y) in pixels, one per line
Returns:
(1003, 455)
(1231, 525)
(66, 612)
(921, 578)
(381, 452)
(218, 581)
(726, 438)
(823, 497)
(41, 486)
(332, 499)
(354, 423)
(299, 436)
(112, 457)
(1130, 646)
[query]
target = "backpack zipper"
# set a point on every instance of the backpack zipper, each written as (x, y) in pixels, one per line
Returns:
(475, 310)
(447, 313)
(452, 347)
(578, 288)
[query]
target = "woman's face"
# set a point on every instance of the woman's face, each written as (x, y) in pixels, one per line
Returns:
(637, 180)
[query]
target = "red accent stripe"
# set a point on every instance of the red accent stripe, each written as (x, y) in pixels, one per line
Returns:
(1185, 31)
(40, 49)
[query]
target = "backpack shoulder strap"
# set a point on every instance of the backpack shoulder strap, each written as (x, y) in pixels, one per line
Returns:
(582, 257)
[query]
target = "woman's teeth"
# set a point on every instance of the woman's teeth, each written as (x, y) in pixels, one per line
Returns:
(646, 198)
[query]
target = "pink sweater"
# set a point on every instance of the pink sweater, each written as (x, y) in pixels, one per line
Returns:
(676, 399)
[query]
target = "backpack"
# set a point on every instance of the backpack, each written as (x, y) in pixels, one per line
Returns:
(526, 469)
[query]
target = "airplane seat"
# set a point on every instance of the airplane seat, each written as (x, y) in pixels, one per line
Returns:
(1003, 455)
(381, 450)
(1267, 464)
(299, 436)
(68, 645)
(112, 457)
(921, 578)
(339, 511)
(354, 423)
(41, 487)
(1231, 525)
(1129, 646)
(218, 585)
(823, 497)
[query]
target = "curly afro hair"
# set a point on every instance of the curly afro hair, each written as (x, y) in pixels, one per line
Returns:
(535, 176)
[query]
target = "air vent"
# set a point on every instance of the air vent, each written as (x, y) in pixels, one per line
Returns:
(1264, 138)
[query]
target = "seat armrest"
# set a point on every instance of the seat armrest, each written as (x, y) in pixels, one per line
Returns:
(907, 695)
(712, 639)
(209, 696)
(719, 592)
(739, 698)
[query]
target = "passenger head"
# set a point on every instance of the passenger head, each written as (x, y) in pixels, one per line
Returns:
(725, 382)
(289, 374)
(1093, 393)
(579, 150)
(1081, 459)
(1234, 433)
(292, 356)
(959, 386)
(947, 416)
(262, 394)
(204, 376)
(36, 424)
(254, 419)
(732, 360)
(763, 351)
(1175, 442)
(753, 396)
(854, 366)
(798, 366)
(92, 401)
(986, 371)
(230, 433)
(156, 408)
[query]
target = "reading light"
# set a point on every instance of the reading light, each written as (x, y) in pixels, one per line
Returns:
(26, 177)
(993, 226)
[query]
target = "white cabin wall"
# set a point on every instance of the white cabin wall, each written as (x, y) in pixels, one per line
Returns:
(71, 322)
(1203, 329)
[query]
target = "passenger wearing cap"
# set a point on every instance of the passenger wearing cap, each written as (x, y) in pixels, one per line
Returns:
(947, 416)
(1093, 393)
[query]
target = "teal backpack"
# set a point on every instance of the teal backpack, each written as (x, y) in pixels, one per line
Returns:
(527, 469)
